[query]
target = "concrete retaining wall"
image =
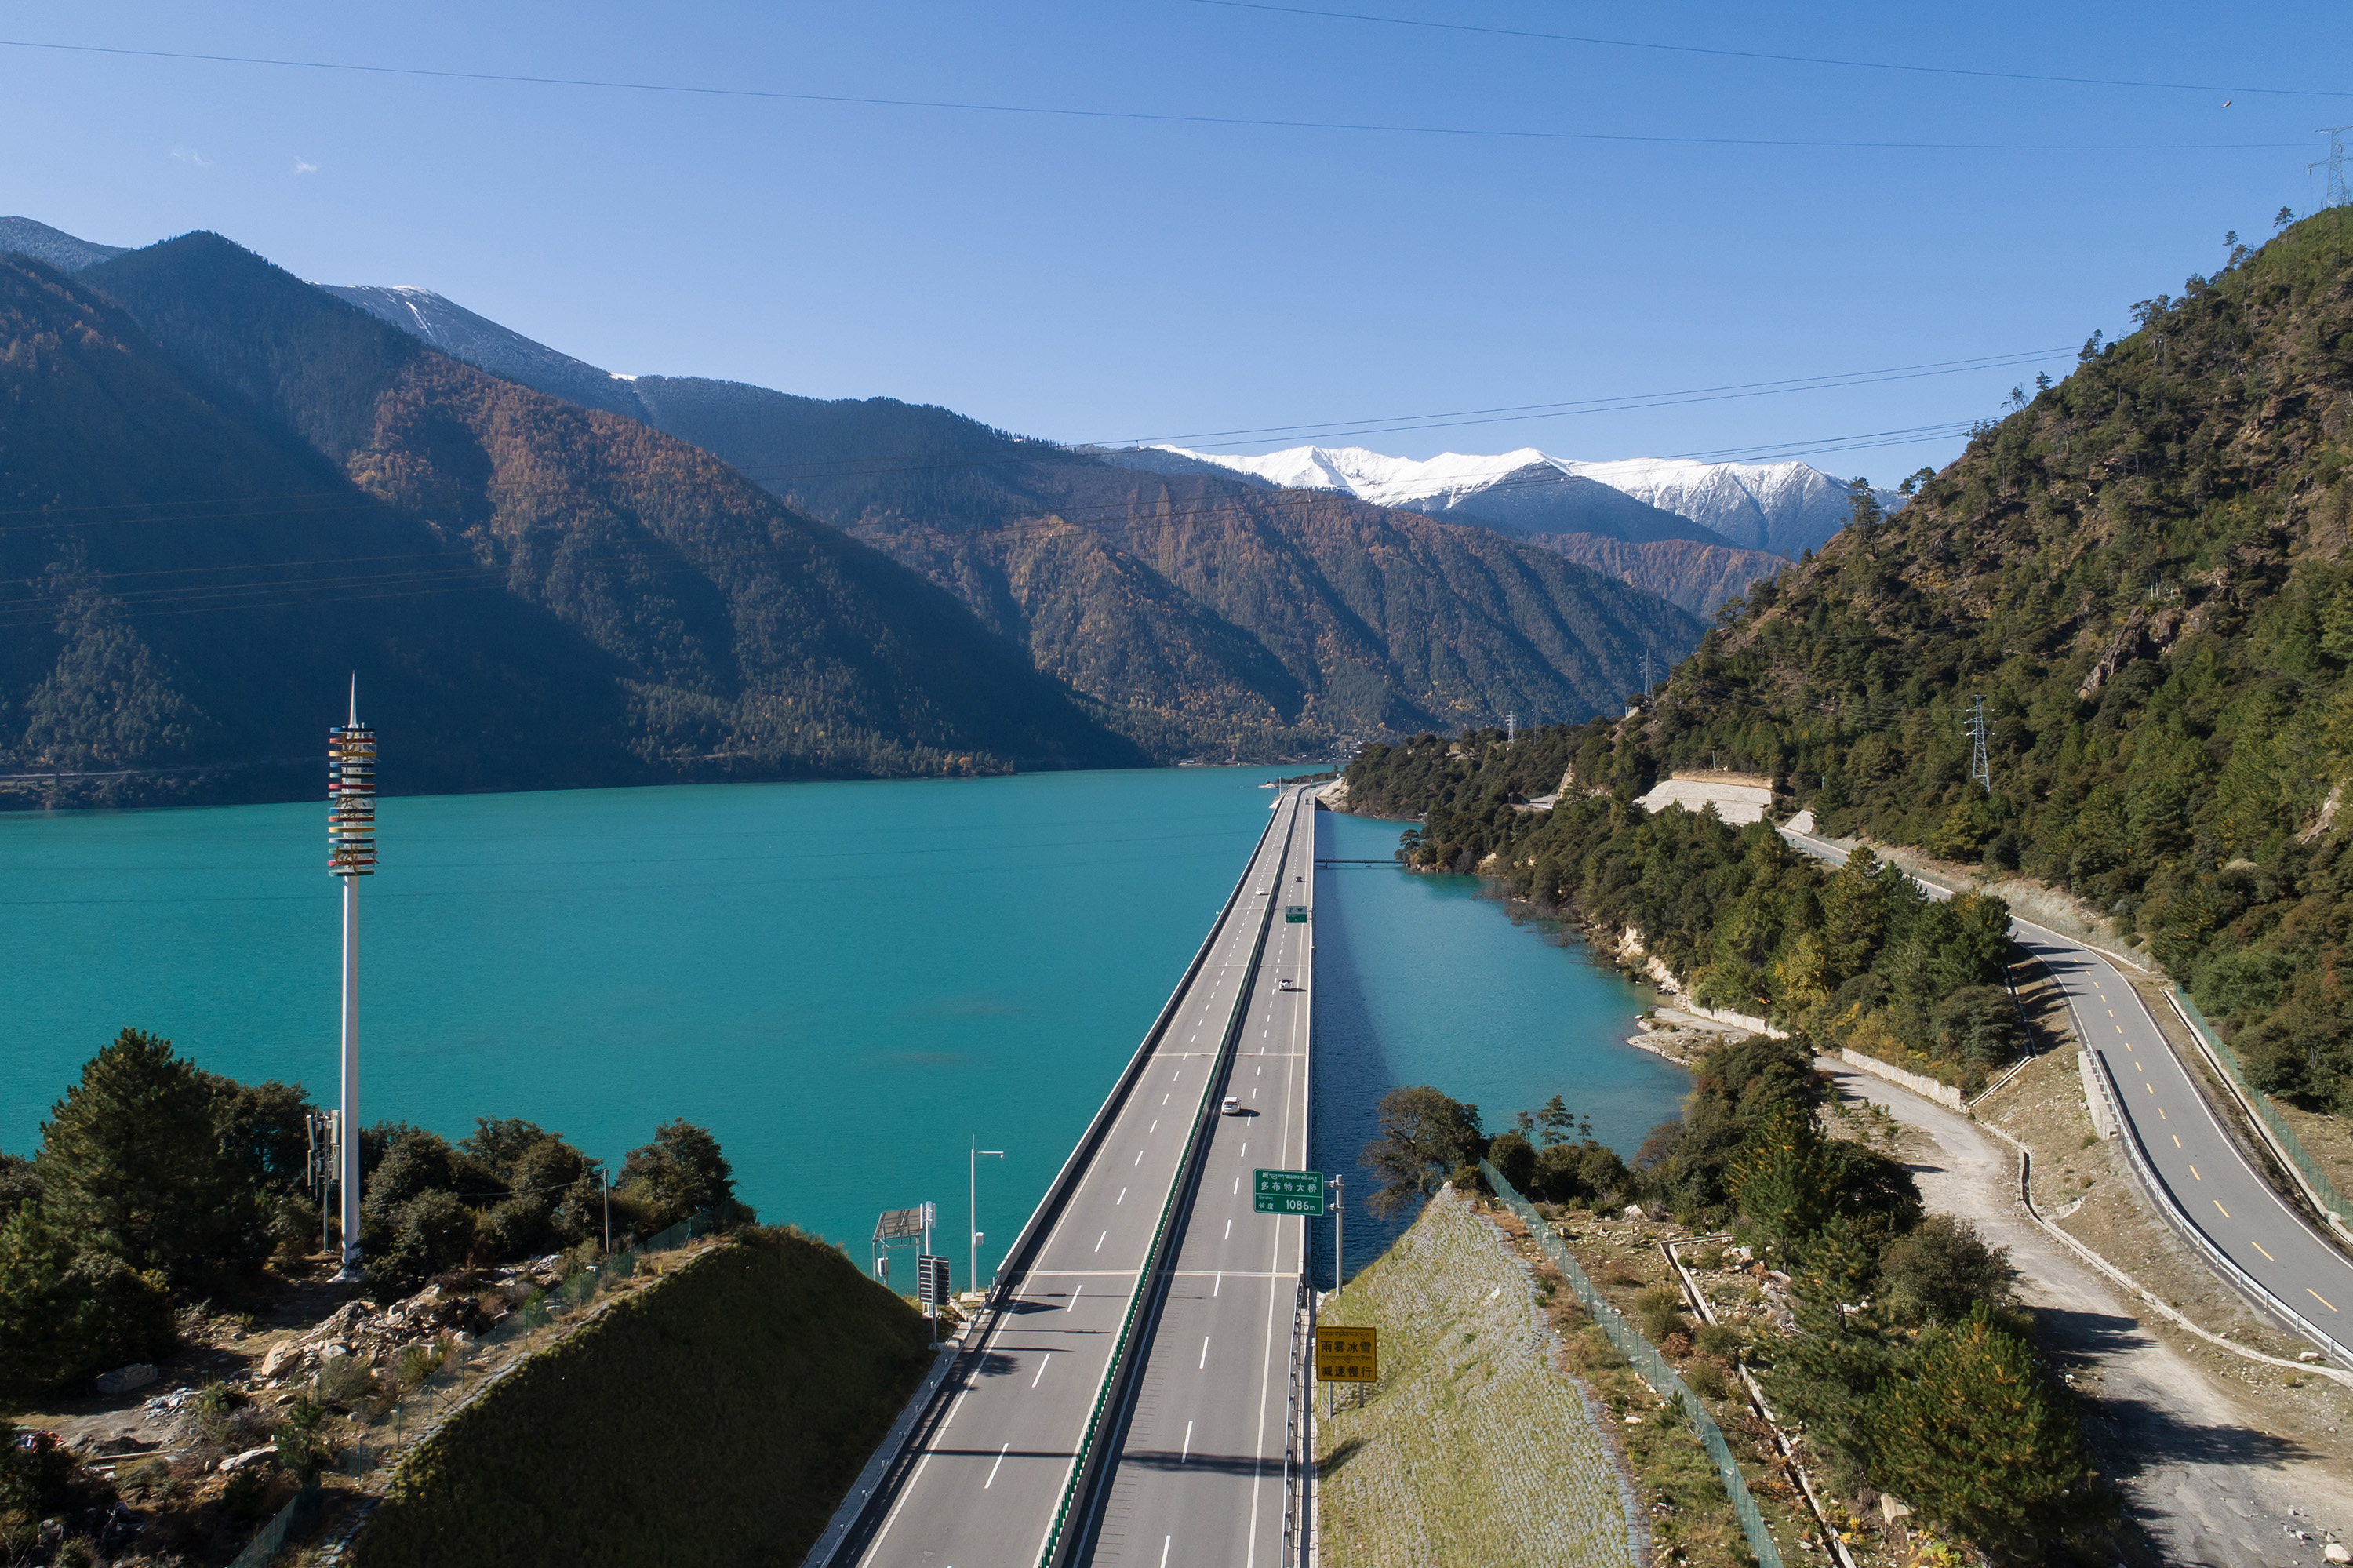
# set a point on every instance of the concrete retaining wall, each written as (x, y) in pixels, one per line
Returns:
(1919, 1084)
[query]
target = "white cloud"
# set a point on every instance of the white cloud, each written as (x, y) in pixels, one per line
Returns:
(190, 156)
(304, 166)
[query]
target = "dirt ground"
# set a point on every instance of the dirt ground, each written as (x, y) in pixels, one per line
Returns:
(2225, 1461)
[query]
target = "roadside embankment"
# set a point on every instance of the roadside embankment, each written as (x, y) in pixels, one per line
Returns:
(714, 1417)
(1471, 1449)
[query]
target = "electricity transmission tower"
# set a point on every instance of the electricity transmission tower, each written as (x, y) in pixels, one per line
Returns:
(2338, 194)
(1980, 770)
(1511, 725)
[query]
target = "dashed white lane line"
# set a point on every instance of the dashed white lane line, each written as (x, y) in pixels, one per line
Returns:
(994, 1469)
(1118, 1200)
(1099, 1241)
(1205, 1353)
(1186, 1451)
(1041, 1368)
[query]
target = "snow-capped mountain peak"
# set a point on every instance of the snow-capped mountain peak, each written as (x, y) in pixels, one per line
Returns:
(1781, 507)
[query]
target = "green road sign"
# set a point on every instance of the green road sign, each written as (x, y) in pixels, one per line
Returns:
(1287, 1191)
(1294, 914)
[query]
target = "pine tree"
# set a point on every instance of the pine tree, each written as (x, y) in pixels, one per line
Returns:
(66, 1314)
(131, 1161)
(1974, 1435)
(1826, 1372)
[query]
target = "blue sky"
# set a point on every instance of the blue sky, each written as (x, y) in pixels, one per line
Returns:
(1101, 279)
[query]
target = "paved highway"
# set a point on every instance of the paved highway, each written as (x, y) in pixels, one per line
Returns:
(1200, 1480)
(2195, 1160)
(987, 1471)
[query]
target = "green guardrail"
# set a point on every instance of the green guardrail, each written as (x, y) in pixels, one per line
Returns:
(2289, 1144)
(1655, 1368)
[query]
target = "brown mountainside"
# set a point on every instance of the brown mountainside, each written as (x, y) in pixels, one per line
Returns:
(746, 639)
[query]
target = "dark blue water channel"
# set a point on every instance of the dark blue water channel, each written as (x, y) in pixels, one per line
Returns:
(1422, 979)
(849, 983)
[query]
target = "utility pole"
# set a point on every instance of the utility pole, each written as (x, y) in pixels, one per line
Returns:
(351, 855)
(1980, 770)
(1511, 725)
(971, 1211)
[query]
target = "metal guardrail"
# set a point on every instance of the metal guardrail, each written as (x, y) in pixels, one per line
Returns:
(2162, 1196)
(1655, 1368)
(1050, 1204)
(1294, 1458)
(1062, 1541)
(2282, 1137)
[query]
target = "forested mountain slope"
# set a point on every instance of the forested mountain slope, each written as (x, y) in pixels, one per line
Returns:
(1206, 613)
(185, 594)
(2144, 573)
(664, 617)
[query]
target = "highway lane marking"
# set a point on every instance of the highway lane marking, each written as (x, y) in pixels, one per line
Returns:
(1229, 1230)
(1204, 1351)
(1099, 1241)
(1221, 1281)
(2162, 1116)
(1237, 1186)
(1139, 1153)
(1164, 1550)
(2259, 1247)
(2150, 1086)
(1186, 1451)
(1245, 1152)
(1164, 1099)
(2218, 1203)
(1118, 1200)
(1041, 1368)
(2177, 1140)
(1072, 1303)
(994, 1469)
(2194, 1174)
(1150, 1130)
(2316, 1295)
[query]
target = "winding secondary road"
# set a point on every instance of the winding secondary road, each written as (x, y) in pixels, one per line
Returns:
(2196, 1161)
(987, 1470)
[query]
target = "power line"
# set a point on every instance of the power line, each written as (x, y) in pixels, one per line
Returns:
(1140, 116)
(245, 506)
(1776, 59)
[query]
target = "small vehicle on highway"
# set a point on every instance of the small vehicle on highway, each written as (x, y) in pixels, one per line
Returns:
(1233, 1106)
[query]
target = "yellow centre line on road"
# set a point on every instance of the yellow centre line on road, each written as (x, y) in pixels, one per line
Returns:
(2218, 1203)
(2162, 1116)
(2259, 1247)
(2150, 1086)
(2177, 1140)
(2316, 1295)
(2193, 1172)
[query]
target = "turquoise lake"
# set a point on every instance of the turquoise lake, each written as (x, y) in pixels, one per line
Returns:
(849, 983)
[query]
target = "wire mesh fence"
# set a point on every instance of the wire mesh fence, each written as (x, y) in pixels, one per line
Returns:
(2330, 1198)
(1654, 1368)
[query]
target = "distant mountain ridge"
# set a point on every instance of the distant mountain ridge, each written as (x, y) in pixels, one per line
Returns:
(258, 488)
(53, 246)
(1780, 508)
(1202, 621)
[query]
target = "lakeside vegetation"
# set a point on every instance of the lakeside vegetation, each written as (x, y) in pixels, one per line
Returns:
(159, 1187)
(1906, 1357)
(1854, 956)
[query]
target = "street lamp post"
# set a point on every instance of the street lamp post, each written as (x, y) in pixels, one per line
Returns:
(972, 1207)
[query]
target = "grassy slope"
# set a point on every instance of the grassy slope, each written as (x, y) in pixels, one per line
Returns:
(1471, 1449)
(715, 1418)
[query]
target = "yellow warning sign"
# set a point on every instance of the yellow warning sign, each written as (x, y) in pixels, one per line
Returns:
(1348, 1355)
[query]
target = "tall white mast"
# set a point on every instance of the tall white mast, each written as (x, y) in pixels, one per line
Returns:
(351, 855)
